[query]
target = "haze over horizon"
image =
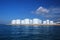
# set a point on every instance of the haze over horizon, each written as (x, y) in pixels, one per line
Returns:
(21, 9)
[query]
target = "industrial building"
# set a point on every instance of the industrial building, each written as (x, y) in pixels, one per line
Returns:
(30, 21)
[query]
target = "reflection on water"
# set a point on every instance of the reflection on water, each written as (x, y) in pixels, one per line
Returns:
(29, 32)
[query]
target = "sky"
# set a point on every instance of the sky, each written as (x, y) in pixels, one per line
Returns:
(21, 9)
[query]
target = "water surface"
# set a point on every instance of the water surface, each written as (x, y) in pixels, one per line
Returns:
(29, 32)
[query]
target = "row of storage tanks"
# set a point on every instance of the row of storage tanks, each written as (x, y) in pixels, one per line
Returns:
(29, 21)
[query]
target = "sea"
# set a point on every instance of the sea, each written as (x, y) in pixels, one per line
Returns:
(9, 32)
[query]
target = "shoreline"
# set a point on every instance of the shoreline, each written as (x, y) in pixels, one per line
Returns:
(35, 24)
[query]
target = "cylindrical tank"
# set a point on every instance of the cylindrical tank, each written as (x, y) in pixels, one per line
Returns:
(35, 21)
(13, 22)
(18, 21)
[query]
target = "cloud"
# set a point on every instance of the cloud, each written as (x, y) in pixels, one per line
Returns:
(55, 10)
(41, 10)
(48, 13)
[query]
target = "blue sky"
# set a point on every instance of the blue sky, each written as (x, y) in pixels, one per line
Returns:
(20, 9)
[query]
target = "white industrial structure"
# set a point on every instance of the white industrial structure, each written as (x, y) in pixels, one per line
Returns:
(13, 22)
(44, 22)
(48, 22)
(40, 21)
(35, 21)
(51, 22)
(22, 22)
(30, 21)
(18, 21)
(27, 21)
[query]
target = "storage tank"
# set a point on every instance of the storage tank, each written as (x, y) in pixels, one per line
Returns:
(35, 21)
(44, 22)
(18, 21)
(27, 21)
(51, 22)
(13, 22)
(22, 22)
(48, 22)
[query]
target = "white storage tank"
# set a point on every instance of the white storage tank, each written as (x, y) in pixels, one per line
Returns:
(13, 22)
(44, 22)
(48, 22)
(22, 22)
(40, 21)
(35, 21)
(51, 22)
(18, 21)
(27, 21)
(31, 21)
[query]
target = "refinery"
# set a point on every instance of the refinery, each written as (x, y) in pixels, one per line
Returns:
(34, 21)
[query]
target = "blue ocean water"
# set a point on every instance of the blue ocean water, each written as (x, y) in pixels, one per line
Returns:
(29, 32)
